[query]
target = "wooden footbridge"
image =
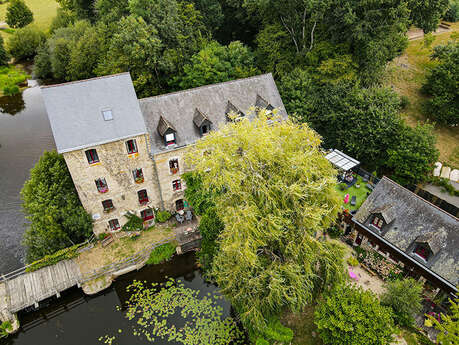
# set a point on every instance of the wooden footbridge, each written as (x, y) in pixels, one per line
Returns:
(20, 289)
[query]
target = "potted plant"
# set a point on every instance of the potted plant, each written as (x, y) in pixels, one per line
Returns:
(139, 179)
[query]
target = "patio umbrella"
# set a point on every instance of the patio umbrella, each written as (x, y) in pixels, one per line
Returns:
(353, 275)
(346, 199)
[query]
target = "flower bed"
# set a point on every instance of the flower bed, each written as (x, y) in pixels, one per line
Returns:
(377, 263)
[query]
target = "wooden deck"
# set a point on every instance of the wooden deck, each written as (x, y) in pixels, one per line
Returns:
(32, 287)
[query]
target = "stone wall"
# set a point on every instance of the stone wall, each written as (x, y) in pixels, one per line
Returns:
(115, 165)
(166, 176)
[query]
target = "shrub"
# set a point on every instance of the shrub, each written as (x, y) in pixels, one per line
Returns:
(335, 231)
(352, 261)
(452, 14)
(404, 102)
(352, 316)
(4, 328)
(3, 54)
(102, 236)
(24, 43)
(162, 216)
(10, 90)
(361, 253)
(404, 297)
(42, 62)
(48, 260)
(134, 223)
(18, 14)
(342, 186)
(161, 253)
(261, 341)
(278, 332)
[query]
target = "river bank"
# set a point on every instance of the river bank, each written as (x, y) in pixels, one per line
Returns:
(77, 319)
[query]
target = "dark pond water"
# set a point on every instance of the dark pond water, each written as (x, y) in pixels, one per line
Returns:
(24, 134)
(76, 319)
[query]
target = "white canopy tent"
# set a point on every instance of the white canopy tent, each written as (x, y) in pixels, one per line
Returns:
(341, 160)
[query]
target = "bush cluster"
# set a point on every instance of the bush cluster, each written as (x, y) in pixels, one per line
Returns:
(161, 253)
(134, 223)
(48, 260)
(162, 216)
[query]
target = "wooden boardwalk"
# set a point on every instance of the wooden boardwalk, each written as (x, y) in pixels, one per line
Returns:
(30, 288)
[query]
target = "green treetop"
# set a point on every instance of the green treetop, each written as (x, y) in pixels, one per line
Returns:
(18, 14)
(276, 193)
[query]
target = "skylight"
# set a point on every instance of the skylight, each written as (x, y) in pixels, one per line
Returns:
(108, 115)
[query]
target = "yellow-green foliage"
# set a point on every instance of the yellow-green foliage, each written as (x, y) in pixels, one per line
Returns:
(48, 260)
(276, 191)
(10, 77)
(352, 261)
(161, 253)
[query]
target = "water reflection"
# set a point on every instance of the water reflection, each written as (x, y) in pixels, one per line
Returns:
(11, 105)
(23, 138)
(76, 319)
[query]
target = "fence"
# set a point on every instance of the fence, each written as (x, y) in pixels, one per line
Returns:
(88, 244)
(130, 261)
(366, 175)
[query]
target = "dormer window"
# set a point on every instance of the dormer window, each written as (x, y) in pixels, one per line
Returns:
(170, 139)
(131, 146)
(261, 103)
(377, 222)
(202, 122)
(233, 113)
(422, 251)
(107, 114)
(92, 156)
(167, 131)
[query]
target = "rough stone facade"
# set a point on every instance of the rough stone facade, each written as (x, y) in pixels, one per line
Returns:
(115, 166)
(166, 176)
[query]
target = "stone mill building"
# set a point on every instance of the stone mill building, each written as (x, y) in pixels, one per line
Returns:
(125, 154)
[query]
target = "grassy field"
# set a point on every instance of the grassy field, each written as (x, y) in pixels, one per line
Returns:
(43, 13)
(406, 75)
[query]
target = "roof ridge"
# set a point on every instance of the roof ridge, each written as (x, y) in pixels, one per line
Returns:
(207, 86)
(84, 80)
(419, 197)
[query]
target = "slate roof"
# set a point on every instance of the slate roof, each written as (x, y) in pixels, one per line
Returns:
(212, 100)
(416, 221)
(75, 111)
(387, 212)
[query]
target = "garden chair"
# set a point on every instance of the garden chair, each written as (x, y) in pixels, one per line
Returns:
(188, 215)
(179, 218)
(353, 200)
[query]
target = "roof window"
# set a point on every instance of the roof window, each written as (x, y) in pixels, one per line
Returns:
(107, 114)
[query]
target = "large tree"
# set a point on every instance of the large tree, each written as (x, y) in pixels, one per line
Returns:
(18, 14)
(351, 316)
(405, 299)
(426, 14)
(362, 122)
(449, 326)
(276, 194)
(23, 43)
(216, 63)
(412, 157)
(443, 85)
(51, 203)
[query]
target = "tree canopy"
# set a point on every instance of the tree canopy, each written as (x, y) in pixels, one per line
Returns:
(216, 63)
(351, 316)
(442, 85)
(405, 299)
(18, 14)
(276, 193)
(24, 42)
(51, 203)
(449, 326)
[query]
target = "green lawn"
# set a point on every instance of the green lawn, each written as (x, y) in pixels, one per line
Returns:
(43, 13)
(360, 193)
(406, 74)
(303, 327)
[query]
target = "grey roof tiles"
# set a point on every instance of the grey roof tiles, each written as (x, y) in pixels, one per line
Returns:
(179, 108)
(75, 111)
